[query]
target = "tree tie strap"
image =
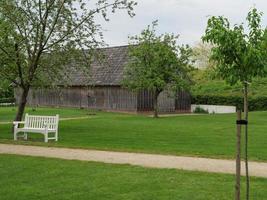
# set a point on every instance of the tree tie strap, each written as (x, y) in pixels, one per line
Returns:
(241, 122)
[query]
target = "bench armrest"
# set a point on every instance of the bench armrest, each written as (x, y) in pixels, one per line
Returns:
(16, 123)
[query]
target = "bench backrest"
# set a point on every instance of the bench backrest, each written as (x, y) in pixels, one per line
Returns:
(35, 121)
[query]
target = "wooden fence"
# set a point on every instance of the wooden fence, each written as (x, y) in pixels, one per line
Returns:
(108, 98)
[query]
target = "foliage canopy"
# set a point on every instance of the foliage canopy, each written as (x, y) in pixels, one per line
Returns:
(157, 62)
(239, 56)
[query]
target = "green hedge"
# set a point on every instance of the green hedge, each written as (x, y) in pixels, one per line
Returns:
(7, 92)
(7, 100)
(255, 103)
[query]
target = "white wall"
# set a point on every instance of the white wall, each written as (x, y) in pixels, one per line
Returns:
(215, 109)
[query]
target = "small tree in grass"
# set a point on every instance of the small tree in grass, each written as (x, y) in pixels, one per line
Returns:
(239, 56)
(157, 63)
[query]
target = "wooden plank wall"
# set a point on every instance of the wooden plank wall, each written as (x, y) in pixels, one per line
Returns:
(111, 98)
(65, 97)
(120, 99)
(108, 98)
(183, 102)
(168, 102)
(145, 101)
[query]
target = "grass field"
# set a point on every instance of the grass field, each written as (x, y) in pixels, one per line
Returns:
(200, 135)
(27, 178)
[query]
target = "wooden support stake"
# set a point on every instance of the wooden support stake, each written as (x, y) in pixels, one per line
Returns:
(238, 157)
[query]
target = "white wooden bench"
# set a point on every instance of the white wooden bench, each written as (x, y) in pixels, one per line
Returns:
(38, 124)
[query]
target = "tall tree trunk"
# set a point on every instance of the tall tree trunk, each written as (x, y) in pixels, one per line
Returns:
(246, 138)
(22, 103)
(238, 157)
(155, 104)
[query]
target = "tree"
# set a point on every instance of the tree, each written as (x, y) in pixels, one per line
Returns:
(239, 56)
(157, 63)
(205, 67)
(201, 55)
(5, 89)
(38, 38)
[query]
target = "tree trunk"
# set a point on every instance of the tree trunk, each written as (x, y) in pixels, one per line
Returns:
(246, 138)
(238, 157)
(22, 103)
(155, 104)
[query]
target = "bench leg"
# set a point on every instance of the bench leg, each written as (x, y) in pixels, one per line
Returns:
(46, 137)
(15, 135)
(25, 136)
(56, 135)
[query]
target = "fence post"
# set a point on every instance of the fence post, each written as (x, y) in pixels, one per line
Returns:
(238, 156)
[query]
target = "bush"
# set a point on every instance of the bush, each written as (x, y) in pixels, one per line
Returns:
(200, 110)
(6, 91)
(255, 103)
(7, 100)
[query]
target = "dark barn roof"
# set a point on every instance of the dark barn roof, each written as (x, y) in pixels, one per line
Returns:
(107, 71)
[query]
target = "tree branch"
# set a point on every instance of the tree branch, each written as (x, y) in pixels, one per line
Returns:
(2, 49)
(54, 23)
(79, 24)
(18, 63)
(7, 76)
(38, 49)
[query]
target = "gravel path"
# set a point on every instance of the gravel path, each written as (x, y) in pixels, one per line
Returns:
(145, 160)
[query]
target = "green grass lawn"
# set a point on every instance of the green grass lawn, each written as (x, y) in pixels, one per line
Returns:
(27, 178)
(200, 135)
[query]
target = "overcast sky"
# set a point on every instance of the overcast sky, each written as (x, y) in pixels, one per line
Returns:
(187, 18)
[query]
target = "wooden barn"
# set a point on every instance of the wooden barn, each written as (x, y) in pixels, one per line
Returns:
(105, 92)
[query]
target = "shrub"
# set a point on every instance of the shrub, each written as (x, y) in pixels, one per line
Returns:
(7, 100)
(198, 109)
(6, 91)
